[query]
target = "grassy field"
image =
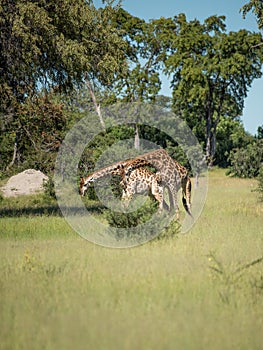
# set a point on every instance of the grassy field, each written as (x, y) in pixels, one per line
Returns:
(200, 290)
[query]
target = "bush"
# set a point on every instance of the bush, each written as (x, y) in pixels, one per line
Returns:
(130, 219)
(246, 162)
(124, 221)
(49, 189)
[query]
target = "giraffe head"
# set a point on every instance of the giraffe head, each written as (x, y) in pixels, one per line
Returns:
(85, 183)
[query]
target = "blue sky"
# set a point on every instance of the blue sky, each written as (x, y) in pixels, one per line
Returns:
(150, 9)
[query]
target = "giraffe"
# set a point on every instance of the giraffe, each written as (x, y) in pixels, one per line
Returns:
(173, 175)
(141, 180)
(127, 166)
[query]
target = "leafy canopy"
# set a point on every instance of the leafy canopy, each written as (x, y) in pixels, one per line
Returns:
(210, 70)
(256, 6)
(56, 43)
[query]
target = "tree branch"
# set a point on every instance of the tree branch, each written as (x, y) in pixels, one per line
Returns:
(14, 150)
(252, 47)
(96, 105)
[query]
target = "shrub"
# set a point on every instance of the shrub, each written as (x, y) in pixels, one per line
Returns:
(130, 219)
(49, 189)
(246, 162)
(134, 219)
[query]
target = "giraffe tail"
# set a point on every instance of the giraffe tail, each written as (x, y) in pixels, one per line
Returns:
(186, 194)
(186, 207)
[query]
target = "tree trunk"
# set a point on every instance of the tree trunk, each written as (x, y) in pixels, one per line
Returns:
(96, 105)
(208, 149)
(136, 138)
(14, 151)
(213, 144)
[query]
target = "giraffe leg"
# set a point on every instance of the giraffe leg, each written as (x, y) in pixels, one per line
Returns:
(165, 205)
(157, 192)
(127, 193)
(173, 200)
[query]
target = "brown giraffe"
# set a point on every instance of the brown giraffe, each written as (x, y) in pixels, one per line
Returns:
(173, 175)
(139, 181)
(127, 166)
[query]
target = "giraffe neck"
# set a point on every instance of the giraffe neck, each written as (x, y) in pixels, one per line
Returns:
(98, 174)
(145, 159)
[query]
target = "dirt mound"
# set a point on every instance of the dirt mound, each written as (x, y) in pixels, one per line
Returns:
(28, 182)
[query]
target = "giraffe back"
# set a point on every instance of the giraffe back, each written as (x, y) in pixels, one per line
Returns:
(141, 180)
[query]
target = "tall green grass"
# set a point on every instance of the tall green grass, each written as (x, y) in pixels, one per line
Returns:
(199, 290)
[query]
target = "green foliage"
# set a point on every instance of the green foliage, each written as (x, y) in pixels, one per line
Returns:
(246, 162)
(28, 206)
(260, 132)
(118, 144)
(211, 71)
(102, 143)
(49, 189)
(44, 45)
(230, 135)
(49, 49)
(57, 43)
(34, 137)
(132, 218)
(141, 81)
(255, 6)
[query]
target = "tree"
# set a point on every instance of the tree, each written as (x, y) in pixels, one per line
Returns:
(57, 43)
(230, 135)
(38, 131)
(141, 81)
(256, 6)
(210, 70)
(47, 44)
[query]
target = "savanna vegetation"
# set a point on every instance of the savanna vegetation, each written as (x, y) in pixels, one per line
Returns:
(59, 60)
(192, 291)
